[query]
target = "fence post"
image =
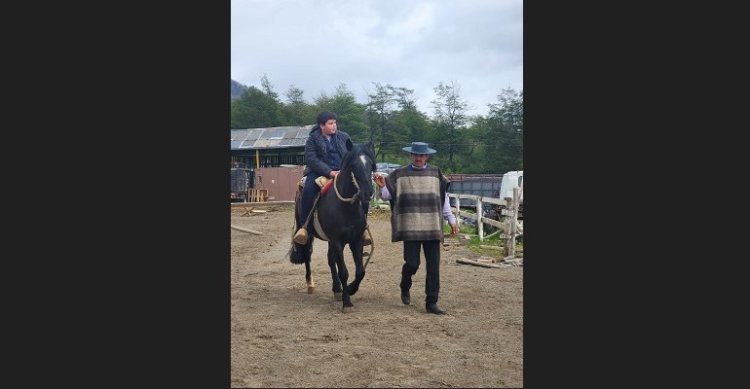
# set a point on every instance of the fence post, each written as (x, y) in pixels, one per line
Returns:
(510, 245)
(458, 210)
(480, 230)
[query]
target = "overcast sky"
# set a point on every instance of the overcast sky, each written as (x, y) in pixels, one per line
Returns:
(316, 45)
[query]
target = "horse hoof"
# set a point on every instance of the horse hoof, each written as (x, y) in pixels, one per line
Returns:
(347, 309)
(337, 296)
(310, 289)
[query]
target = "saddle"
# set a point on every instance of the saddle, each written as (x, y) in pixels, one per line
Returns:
(323, 183)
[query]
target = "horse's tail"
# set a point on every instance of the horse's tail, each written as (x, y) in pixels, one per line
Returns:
(295, 256)
(299, 254)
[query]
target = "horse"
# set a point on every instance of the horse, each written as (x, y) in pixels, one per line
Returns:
(341, 219)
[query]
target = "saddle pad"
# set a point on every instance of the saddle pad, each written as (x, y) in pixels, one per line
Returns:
(326, 187)
(318, 228)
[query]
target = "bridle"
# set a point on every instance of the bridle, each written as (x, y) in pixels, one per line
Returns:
(336, 189)
(344, 199)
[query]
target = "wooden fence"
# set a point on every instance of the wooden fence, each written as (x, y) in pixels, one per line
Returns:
(511, 226)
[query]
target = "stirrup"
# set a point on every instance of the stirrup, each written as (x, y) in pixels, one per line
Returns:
(301, 236)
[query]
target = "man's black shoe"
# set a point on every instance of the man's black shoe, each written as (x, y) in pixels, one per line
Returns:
(433, 308)
(405, 298)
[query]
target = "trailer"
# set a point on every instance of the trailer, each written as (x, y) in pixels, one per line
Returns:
(485, 185)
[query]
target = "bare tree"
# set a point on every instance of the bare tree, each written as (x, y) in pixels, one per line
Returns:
(450, 114)
(379, 108)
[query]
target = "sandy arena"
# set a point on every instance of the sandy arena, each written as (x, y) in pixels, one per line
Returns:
(281, 336)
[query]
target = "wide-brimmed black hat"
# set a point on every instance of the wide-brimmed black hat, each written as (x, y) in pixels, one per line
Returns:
(419, 148)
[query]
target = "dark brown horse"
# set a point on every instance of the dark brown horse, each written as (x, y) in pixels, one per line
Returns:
(341, 220)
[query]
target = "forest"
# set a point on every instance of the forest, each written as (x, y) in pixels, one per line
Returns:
(465, 144)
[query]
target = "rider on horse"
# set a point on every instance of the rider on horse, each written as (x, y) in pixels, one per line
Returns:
(324, 149)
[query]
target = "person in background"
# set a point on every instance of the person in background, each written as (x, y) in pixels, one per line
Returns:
(419, 204)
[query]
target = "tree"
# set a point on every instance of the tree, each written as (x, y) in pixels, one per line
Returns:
(268, 87)
(255, 109)
(349, 113)
(297, 111)
(477, 158)
(409, 125)
(505, 132)
(379, 109)
(450, 117)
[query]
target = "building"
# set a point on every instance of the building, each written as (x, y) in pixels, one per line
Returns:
(272, 158)
(268, 147)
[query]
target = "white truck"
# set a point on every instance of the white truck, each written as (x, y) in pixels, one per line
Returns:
(513, 179)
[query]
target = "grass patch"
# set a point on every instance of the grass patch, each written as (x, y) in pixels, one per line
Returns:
(473, 243)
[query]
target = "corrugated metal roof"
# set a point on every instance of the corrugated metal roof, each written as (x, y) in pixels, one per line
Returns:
(270, 137)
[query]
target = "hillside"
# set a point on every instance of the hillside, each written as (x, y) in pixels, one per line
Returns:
(236, 89)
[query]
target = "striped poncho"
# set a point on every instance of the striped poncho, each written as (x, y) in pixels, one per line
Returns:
(417, 197)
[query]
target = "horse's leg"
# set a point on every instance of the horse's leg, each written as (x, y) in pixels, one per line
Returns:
(309, 278)
(359, 268)
(334, 273)
(307, 256)
(336, 253)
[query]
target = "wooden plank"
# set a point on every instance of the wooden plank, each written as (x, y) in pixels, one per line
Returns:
(258, 195)
(475, 263)
(494, 233)
(246, 230)
(512, 261)
(494, 223)
(264, 204)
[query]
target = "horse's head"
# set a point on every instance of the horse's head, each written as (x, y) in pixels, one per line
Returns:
(360, 160)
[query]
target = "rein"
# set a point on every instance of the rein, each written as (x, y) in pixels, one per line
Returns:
(336, 189)
(351, 200)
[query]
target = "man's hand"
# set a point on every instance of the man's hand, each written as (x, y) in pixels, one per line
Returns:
(454, 229)
(379, 180)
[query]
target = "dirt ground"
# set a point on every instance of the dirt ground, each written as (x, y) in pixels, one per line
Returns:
(281, 336)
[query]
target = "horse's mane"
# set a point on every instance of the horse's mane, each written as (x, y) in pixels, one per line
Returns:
(357, 148)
